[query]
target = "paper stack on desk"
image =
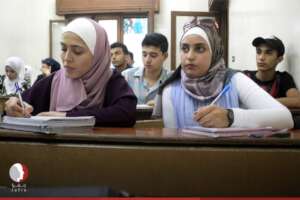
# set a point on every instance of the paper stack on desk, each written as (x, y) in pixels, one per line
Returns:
(234, 132)
(45, 124)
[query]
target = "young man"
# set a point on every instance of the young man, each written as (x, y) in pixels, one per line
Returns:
(269, 52)
(145, 80)
(119, 54)
(130, 58)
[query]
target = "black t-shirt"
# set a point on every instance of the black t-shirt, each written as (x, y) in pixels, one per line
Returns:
(277, 87)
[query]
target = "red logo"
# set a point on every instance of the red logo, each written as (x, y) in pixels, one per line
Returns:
(18, 172)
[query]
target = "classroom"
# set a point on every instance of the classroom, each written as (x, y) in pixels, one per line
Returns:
(196, 63)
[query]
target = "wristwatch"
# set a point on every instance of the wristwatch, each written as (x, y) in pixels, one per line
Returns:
(230, 117)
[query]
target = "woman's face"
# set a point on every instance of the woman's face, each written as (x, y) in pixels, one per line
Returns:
(10, 73)
(46, 69)
(76, 56)
(195, 56)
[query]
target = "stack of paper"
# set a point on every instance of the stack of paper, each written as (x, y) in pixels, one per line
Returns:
(234, 132)
(46, 124)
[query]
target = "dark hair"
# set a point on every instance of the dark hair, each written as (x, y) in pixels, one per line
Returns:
(120, 45)
(55, 66)
(157, 40)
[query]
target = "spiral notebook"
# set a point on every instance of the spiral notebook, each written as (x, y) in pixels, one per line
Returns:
(45, 124)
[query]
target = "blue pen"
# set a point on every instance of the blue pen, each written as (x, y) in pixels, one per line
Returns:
(225, 89)
(18, 91)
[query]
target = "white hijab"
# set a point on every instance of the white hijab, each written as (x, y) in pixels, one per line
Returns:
(17, 64)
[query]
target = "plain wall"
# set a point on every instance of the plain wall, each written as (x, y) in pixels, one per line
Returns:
(251, 18)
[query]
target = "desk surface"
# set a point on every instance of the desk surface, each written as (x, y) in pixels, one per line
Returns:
(150, 136)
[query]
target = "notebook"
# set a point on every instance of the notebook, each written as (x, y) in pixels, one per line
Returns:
(143, 107)
(235, 132)
(46, 124)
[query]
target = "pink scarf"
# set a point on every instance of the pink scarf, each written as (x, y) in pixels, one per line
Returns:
(89, 90)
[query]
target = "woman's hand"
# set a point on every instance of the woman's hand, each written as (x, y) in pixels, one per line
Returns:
(14, 108)
(52, 113)
(212, 116)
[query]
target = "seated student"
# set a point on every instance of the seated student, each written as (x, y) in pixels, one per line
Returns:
(187, 95)
(13, 68)
(28, 74)
(130, 58)
(119, 54)
(49, 65)
(269, 52)
(145, 80)
(86, 86)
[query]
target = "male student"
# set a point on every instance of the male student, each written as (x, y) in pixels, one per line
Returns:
(145, 80)
(119, 54)
(269, 52)
(130, 58)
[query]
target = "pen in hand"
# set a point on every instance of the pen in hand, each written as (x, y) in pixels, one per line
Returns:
(18, 91)
(225, 89)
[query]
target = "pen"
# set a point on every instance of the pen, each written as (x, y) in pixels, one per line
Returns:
(225, 89)
(18, 91)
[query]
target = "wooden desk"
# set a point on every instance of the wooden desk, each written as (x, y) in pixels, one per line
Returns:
(296, 117)
(295, 111)
(143, 113)
(156, 162)
(3, 99)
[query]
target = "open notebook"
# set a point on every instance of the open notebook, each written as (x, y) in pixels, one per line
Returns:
(235, 132)
(45, 124)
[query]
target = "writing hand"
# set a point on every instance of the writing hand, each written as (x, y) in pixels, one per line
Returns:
(14, 108)
(211, 116)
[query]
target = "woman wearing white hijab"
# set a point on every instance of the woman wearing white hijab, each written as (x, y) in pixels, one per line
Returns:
(85, 86)
(188, 95)
(13, 69)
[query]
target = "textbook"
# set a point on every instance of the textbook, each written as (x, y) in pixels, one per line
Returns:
(235, 132)
(46, 124)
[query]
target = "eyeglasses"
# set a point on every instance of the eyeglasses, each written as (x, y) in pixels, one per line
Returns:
(207, 22)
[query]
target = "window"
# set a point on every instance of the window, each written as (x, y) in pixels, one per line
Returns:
(125, 21)
(128, 29)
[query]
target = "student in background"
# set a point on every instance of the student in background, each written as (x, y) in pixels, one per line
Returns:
(188, 94)
(85, 86)
(130, 58)
(145, 80)
(119, 54)
(28, 74)
(49, 65)
(13, 70)
(281, 85)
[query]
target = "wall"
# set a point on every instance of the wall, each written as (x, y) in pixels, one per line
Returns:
(25, 30)
(251, 18)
